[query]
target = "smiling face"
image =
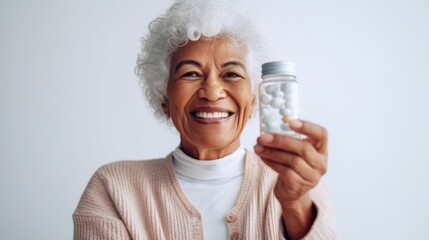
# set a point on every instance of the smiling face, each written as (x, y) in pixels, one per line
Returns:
(209, 96)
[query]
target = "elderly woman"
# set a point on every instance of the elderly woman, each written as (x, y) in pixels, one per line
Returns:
(199, 66)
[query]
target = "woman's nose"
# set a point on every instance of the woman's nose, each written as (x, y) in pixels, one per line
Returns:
(212, 88)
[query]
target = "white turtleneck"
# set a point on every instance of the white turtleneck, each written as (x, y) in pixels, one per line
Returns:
(212, 186)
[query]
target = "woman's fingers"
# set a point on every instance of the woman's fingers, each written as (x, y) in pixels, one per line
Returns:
(299, 162)
(282, 162)
(317, 134)
(291, 145)
(290, 185)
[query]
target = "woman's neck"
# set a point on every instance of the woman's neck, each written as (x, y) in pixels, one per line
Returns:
(217, 170)
(205, 153)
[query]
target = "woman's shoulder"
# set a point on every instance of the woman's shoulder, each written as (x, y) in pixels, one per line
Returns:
(133, 168)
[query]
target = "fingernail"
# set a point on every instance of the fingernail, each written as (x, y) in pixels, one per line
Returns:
(295, 123)
(266, 138)
(286, 119)
(258, 148)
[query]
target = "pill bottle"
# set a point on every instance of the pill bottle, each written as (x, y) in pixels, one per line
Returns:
(278, 98)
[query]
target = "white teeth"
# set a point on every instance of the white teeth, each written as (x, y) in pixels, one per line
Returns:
(211, 115)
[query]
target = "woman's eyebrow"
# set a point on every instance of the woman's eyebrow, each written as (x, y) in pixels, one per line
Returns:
(236, 63)
(181, 63)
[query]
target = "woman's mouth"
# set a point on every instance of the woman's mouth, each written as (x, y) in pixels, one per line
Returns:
(211, 115)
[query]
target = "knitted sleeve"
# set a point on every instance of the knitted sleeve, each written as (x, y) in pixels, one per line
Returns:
(324, 224)
(96, 216)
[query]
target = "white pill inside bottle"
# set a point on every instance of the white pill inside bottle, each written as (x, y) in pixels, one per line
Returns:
(279, 82)
(286, 112)
(265, 99)
(277, 102)
(270, 89)
(265, 111)
(278, 93)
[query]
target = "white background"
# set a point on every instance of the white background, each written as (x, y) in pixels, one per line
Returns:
(70, 102)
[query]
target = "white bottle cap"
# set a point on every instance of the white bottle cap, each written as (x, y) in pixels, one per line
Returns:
(278, 67)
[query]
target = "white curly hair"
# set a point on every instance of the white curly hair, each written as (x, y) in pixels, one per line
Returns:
(191, 20)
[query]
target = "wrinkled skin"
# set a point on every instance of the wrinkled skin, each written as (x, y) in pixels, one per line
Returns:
(209, 76)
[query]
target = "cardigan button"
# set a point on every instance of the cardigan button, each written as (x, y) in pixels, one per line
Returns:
(234, 236)
(231, 218)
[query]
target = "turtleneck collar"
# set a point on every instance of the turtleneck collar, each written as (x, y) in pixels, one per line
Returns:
(224, 168)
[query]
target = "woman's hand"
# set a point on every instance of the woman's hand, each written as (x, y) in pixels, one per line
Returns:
(300, 164)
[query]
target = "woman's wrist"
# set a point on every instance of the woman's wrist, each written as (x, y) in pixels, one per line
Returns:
(299, 215)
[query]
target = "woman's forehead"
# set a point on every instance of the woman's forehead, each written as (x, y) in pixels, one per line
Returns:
(218, 48)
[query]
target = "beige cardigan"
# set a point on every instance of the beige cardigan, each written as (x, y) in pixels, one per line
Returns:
(144, 200)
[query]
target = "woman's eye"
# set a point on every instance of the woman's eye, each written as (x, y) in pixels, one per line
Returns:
(191, 74)
(231, 75)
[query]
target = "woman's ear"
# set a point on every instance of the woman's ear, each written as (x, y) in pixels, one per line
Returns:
(166, 107)
(252, 106)
(253, 102)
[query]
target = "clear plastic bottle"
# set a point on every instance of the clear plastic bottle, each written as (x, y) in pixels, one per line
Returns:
(278, 98)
